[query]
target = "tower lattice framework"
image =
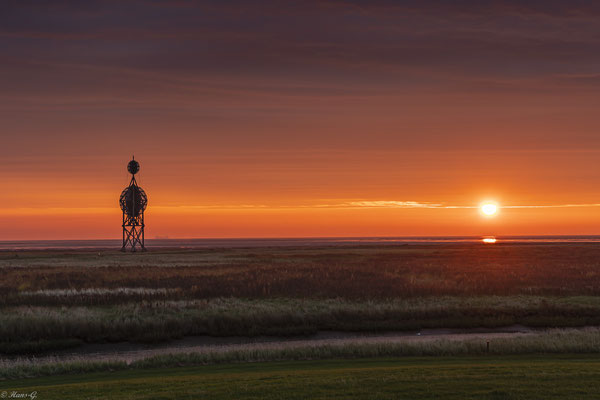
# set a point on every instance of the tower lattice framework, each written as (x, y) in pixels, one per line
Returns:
(133, 202)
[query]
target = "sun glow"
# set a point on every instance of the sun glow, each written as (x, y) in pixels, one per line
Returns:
(489, 209)
(489, 240)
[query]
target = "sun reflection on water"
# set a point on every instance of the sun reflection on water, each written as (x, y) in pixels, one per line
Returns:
(489, 240)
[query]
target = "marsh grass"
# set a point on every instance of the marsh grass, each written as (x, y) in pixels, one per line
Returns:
(585, 341)
(367, 272)
(64, 297)
(159, 321)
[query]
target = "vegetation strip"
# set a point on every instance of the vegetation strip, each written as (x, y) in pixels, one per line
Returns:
(34, 330)
(557, 341)
(353, 272)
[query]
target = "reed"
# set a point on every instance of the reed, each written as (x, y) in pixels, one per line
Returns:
(586, 341)
(71, 297)
(350, 273)
(156, 321)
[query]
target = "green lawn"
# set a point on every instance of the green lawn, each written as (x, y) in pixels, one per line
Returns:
(507, 377)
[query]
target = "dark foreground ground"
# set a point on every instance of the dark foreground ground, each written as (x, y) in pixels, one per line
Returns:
(522, 377)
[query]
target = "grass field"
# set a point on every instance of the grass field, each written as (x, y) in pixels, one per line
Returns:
(33, 329)
(366, 272)
(522, 377)
(57, 299)
(558, 341)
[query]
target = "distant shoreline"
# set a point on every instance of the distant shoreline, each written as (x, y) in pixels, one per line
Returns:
(101, 244)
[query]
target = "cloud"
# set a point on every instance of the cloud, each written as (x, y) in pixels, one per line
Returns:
(555, 206)
(406, 73)
(389, 204)
(361, 204)
(310, 39)
(415, 204)
(265, 208)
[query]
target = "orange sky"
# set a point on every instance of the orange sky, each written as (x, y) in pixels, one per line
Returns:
(269, 194)
(324, 119)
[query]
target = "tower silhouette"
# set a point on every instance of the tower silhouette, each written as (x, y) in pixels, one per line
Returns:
(133, 202)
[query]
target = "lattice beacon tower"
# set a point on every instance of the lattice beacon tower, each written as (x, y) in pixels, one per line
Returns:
(133, 202)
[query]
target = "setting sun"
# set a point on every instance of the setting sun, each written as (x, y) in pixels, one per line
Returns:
(489, 209)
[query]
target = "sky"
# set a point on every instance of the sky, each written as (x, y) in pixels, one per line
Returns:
(300, 118)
